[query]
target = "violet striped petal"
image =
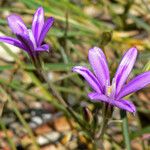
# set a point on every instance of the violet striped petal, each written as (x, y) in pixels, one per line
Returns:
(94, 96)
(125, 105)
(89, 77)
(47, 25)
(32, 39)
(122, 104)
(26, 42)
(129, 104)
(125, 68)
(38, 23)
(17, 25)
(44, 47)
(99, 64)
(135, 84)
(12, 41)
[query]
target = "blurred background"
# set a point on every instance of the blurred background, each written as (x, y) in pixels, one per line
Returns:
(28, 115)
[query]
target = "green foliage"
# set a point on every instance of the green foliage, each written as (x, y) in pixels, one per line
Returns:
(113, 25)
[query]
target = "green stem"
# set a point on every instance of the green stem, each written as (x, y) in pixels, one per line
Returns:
(76, 117)
(3, 127)
(20, 117)
(103, 128)
(140, 126)
(62, 101)
(9, 139)
(106, 114)
(125, 129)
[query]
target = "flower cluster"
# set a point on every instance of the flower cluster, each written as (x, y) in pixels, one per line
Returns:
(31, 40)
(112, 92)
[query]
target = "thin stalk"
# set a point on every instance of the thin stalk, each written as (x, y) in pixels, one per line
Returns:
(140, 126)
(3, 127)
(126, 11)
(9, 139)
(2, 108)
(39, 67)
(98, 125)
(94, 145)
(125, 129)
(61, 100)
(66, 34)
(20, 117)
(103, 128)
(106, 114)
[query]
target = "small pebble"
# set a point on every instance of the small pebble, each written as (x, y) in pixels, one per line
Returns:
(49, 137)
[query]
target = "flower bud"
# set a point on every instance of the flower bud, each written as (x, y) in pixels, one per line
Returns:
(87, 114)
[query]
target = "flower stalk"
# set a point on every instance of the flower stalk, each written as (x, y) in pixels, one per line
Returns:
(125, 130)
(69, 111)
(107, 113)
(32, 42)
(110, 93)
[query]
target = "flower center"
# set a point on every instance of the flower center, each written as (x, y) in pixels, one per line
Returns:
(111, 89)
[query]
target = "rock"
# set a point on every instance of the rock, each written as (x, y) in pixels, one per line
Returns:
(4, 54)
(35, 121)
(49, 137)
(46, 116)
(43, 129)
(61, 124)
(72, 145)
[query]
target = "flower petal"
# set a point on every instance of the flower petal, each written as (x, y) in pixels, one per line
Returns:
(89, 77)
(26, 42)
(99, 64)
(32, 38)
(44, 47)
(135, 84)
(122, 104)
(125, 68)
(38, 23)
(12, 41)
(94, 96)
(128, 105)
(17, 25)
(47, 25)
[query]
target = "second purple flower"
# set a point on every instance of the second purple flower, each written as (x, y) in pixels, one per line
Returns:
(114, 92)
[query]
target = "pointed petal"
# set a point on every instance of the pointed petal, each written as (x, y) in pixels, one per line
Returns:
(38, 23)
(135, 84)
(89, 77)
(26, 42)
(94, 96)
(44, 47)
(99, 64)
(12, 41)
(47, 25)
(129, 106)
(16, 24)
(125, 68)
(122, 104)
(32, 39)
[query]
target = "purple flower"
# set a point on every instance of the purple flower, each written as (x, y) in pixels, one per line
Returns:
(112, 93)
(30, 40)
